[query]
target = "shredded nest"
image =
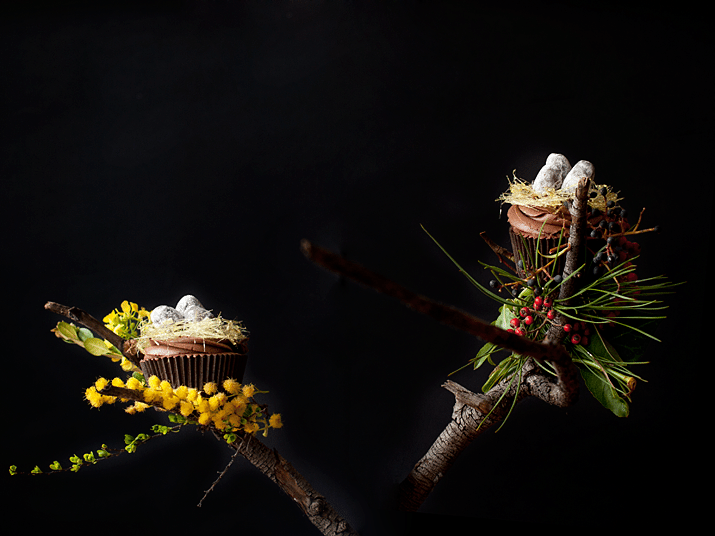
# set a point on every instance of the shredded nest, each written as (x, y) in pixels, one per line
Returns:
(209, 328)
(522, 193)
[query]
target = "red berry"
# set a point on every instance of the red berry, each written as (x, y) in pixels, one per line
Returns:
(524, 311)
(567, 328)
(510, 330)
(519, 331)
(529, 320)
(575, 338)
(514, 322)
(550, 314)
(547, 305)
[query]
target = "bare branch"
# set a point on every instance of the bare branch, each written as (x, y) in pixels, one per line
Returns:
(444, 314)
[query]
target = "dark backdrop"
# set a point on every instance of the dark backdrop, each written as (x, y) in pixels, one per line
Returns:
(181, 148)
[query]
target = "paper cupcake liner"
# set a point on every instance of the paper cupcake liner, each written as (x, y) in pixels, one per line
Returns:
(525, 248)
(196, 370)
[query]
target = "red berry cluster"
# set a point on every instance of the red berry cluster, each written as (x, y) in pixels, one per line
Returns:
(579, 332)
(526, 322)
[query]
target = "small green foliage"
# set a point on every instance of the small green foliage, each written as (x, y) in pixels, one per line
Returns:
(36, 470)
(55, 466)
(13, 469)
(160, 429)
(83, 337)
(178, 419)
(230, 437)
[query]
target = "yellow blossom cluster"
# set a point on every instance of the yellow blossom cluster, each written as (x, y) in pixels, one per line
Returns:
(231, 409)
(125, 322)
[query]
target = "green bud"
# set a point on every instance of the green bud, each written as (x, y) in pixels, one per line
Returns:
(36, 470)
(13, 469)
(55, 466)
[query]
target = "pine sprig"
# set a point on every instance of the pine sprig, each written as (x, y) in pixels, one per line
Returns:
(603, 307)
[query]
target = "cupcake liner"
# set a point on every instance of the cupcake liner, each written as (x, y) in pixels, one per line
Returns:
(196, 370)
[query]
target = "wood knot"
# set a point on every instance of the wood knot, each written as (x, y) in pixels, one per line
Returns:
(317, 506)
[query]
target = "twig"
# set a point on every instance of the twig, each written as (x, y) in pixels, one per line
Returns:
(220, 476)
(78, 315)
(444, 314)
(496, 248)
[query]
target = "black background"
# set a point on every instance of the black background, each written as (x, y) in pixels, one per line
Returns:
(179, 148)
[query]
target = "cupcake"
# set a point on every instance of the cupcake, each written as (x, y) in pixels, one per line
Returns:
(539, 217)
(534, 233)
(188, 345)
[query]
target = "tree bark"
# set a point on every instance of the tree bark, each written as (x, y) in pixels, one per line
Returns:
(280, 471)
(472, 415)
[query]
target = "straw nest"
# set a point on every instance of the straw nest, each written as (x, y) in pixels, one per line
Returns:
(215, 328)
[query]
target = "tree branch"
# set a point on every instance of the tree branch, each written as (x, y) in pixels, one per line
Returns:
(280, 471)
(274, 466)
(444, 314)
(473, 413)
(78, 315)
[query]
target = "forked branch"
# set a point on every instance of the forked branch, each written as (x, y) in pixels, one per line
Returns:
(474, 413)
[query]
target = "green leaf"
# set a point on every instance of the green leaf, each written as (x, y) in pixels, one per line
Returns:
(603, 391)
(36, 470)
(84, 334)
(55, 466)
(67, 330)
(95, 346)
(506, 313)
(138, 376)
(484, 354)
(13, 469)
(601, 348)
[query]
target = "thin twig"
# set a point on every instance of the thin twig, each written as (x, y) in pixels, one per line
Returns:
(220, 476)
(444, 314)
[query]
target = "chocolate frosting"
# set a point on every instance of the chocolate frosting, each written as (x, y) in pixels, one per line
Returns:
(530, 221)
(186, 346)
